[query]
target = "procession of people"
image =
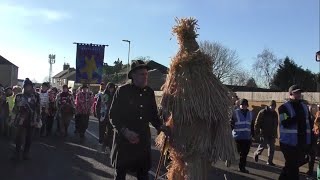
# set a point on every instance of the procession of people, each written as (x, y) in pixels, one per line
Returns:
(124, 115)
(197, 125)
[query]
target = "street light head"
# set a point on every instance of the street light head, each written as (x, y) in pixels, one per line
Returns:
(126, 40)
(318, 56)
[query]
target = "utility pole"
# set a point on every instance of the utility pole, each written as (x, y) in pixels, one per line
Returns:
(52, 60)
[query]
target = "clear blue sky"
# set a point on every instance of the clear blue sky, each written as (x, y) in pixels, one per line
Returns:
(30, 30)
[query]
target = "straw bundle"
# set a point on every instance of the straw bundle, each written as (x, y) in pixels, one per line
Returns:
(199, 106)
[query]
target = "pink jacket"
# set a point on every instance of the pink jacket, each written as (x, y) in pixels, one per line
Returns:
(84, 102)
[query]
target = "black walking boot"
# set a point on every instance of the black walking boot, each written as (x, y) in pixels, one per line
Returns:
(16, 156)
(244, 170)
(26, 156)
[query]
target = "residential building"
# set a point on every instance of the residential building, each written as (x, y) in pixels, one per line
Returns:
(63, 77)
(8, 72)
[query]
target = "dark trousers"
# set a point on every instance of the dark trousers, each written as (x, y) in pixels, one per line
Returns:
(106, 134)
(44, 119)
(83, 124)
(24, 134)
(50, 120)
(76, 122)
(142, 174)
(312, 158)
(243, 147)
(109, 135)
(292, 156)
(57, 119)
(102, 131)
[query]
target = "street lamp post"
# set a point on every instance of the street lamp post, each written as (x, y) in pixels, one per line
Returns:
(128, 56)
(52, 60)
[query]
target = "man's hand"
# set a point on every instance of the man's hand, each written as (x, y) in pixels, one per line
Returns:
(316, 131)
(131, 136)
(166, 130)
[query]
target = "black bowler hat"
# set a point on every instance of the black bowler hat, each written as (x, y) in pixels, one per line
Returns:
(135, 65)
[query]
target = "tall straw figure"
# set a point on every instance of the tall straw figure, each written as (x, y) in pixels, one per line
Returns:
(198, 108)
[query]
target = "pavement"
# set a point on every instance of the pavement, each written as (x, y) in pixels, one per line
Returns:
(56, 158)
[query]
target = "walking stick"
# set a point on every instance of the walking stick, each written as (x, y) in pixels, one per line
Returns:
(161, 158)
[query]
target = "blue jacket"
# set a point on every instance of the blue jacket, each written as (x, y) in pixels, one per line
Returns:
(242, 125)
(290, 132)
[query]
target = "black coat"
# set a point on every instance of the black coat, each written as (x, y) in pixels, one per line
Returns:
(133, 108)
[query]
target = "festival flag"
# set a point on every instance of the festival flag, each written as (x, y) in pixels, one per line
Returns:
(89, 63)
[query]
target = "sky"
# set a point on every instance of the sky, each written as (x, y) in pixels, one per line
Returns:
(31, 30)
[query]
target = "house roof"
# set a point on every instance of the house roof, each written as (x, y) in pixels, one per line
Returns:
(154, 65)
(156, 79)
(63, 73)
(70, 76)
(6, 61)
(249, 89)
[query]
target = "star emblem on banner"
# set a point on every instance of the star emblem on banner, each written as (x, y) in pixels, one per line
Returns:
(90, 67)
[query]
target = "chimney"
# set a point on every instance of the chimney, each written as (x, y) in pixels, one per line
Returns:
(66, 66)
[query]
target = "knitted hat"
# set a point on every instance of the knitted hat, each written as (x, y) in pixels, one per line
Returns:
(244, 102)
(27, 82)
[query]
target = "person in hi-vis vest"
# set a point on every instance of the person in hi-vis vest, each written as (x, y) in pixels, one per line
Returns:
(241, 131)
(295, 133)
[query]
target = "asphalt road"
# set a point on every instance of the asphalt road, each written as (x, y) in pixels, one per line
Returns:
(56, 158)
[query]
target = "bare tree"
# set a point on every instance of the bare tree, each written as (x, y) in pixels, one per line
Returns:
(143, 58)
(45, 79)
(239, 77)
(34, 80)
(265, 66)
(225, 60)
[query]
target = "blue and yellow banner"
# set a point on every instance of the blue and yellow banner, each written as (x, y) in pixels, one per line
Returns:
(89, 63)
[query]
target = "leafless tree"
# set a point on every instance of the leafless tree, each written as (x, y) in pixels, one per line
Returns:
(225, 60)
(265, 66)
(143, 58)
(239, 77)
(45, 79)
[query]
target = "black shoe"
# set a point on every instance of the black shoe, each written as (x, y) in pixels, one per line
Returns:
(243, 170)
(16, 157)
(256, 157)
(26, 156)
(310, 173)
(270, 164)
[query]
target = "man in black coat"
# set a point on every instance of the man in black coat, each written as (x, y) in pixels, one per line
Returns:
(133, 107)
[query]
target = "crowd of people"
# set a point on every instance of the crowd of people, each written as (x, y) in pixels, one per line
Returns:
(298, 127)
(27, 112)
(124, 115)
